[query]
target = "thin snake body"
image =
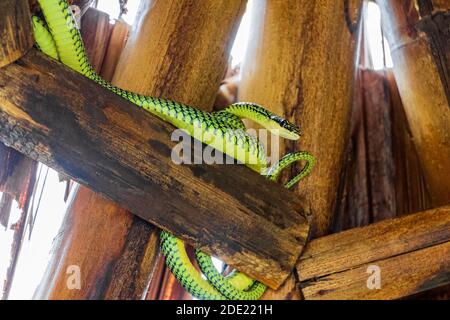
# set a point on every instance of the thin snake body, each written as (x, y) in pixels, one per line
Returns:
(59, 38)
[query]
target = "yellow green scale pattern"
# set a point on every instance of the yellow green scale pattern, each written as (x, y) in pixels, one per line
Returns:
(222, 130)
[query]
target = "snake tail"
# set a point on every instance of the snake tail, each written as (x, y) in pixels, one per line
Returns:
(275, 171)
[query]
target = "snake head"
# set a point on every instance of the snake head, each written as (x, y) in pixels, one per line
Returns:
(284, 128)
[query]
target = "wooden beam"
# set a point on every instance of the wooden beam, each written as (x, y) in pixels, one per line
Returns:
(15, 30)
(62, 119)
(423, 90)
(412, 252)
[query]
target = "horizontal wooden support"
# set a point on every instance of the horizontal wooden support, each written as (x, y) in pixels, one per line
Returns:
(66, 121)
(411, 252)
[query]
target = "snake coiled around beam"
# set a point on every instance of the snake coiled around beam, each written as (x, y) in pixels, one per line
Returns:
(59, 37)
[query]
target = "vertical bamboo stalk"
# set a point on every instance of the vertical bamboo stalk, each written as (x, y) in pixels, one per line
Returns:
(95, 30)
(117, 41)
(383, 177)
(422, 91)
(178, 50)
(299, 64)
(184, 48)
(411, 192)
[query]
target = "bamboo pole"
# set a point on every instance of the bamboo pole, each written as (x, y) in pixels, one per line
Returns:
(383, 177)
(15, 30)
(95, 30)
(176, 47)
(422, 91)
(116, 44)
(288, 69)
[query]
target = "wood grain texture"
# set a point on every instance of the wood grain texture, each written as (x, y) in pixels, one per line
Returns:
(114, 256)
(410, 187)
(423, 94)
(15, 30)
(382, 176)
(288, 291)
(436, 25)
(401, 276)
(440, 5)
(381, 170)
(288, 71)
(353, 205)
(95, 30)
(116, 44)
(300, 65)
(171, 32)
(122, 152)
(412, 252)
(186, 67)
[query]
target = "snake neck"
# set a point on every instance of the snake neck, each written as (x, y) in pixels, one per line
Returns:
(251, 111)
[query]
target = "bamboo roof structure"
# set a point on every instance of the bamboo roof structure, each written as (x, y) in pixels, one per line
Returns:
(377, 203)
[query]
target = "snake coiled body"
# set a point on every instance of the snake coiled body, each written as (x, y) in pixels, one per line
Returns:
(59, 38)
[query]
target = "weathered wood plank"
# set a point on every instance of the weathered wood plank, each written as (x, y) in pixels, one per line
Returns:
(15, 30)
(62, 119)
(332, 266)
(400, 276)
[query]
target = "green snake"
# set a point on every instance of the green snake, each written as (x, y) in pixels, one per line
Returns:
(59, 37)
